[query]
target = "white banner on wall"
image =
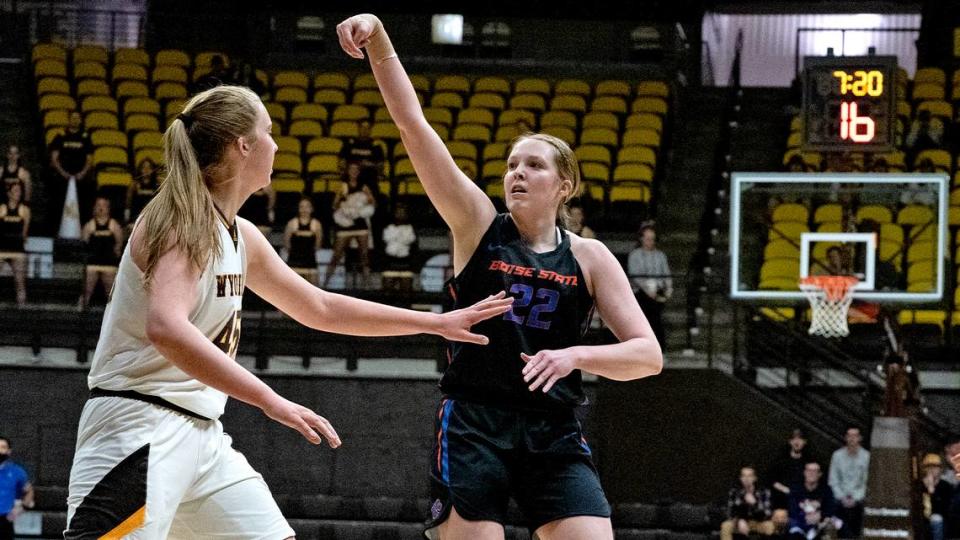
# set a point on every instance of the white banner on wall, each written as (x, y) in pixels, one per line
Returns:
(771, 42)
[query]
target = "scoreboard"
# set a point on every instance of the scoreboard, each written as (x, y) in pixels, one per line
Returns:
(849, 103)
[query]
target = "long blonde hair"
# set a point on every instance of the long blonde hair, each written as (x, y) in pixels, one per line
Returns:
(182, 215)
(567, 168)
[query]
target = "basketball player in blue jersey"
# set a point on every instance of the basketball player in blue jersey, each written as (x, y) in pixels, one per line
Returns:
(506, 425)
(152, 460)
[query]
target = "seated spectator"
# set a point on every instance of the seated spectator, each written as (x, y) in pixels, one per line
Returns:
(104, 240)
(71, 156)
(748, 508)
(218, 75)
(399, 238)
(361, 149)
(302, 239)
(16, 492)
(786, 474)
(143, 188)
(950, 450)
(353, 206)
(812, 507)
(14, 172)
(576, 223)
(849, 466)
(650, 276)
(259, 209)
(916, 193)
(925, 133)
(835, 265)
(935, 495)
(15, 220)
(245, 75)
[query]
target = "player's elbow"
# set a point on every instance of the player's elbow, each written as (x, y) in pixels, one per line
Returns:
(160, 330)
(651, 362)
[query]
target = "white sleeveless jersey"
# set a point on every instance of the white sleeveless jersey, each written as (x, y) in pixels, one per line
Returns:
(126, 360)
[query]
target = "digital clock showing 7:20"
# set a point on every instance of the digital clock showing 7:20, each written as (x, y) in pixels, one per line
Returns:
(849, 103)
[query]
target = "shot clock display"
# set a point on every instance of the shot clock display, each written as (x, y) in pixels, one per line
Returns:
(849, 103)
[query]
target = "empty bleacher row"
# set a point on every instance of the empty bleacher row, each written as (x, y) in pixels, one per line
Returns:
(128, 97)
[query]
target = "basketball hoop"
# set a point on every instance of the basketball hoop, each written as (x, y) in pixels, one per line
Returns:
(830, 298)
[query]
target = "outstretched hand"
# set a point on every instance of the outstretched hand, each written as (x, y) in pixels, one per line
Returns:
(355, 32)
(456, 325)
(547, 367)
(311, 425)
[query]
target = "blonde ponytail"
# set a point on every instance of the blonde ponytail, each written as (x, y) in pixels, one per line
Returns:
(182, 215)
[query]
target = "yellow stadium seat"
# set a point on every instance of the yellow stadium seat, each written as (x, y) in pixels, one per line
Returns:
(172, 107)
(487, 100)
(330, 96)
(420, 83)
(778, 284)
(497, 85)
(613, 88)
(915, 215)
(287, 165)
(48, 51)
(131, 56)
(91, 53)
(53, 131)
(595, 172)
(205, 58)
(828, 213)
(795, 140)
(114, 178)
(101, 120)
(955, 197)
(333, 80)
(54, 85)
(921, 251)
(141, 122)
(494, 169)
(641, 137)
(953, 218)
(791, 212)
(290, 94)
(369, 98)
(532, 86)
(613, 104)
(288, 185)
(630, 192)
(99, 103)
(604, 136)
(147, 139)
(353, 113)
(649, 105)
(305, 128)
(50, 68)
(923, 316)
(170, 90)
(452, 83)
(781, 249)
(128, 72)
(880, 214)
(108, 137)
(110, 157)
(928, 91)
(55, 118)
(309, 111)
(382, 114)
(92, 87)
(558, 118)
(494, 189)
(788, 230)
(830, 227)
(472, 132)
(780, 268)
(277, 112)
(593, 190)
(442, 130)
(528, 101)
(385, 130)
(568, 102)
(172, 57)
(462, 149)
(653, 88)
(796, 124)
(932, 75)
(940, 158)
(922, 271)
(89, 70)
(600, 119)
(645, 121)
(365, 81)
(495, 150)
(344, 128)
(438, 115)
(510, 117)
(404, 168)
(633, 172)
(449, 100)
(891, 232)
(593, 153)
(506, 134)
(324, 145)
(287, 144)
(572, 86)
(169, 74)
(57, 101)
(563, 133)
(938, 108)
(637, 154)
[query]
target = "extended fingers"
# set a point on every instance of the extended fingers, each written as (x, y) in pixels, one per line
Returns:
(307, 431)
(326, 428)
(345, 33)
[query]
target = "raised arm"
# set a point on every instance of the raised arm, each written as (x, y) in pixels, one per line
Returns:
(275, 282)
(463, 205)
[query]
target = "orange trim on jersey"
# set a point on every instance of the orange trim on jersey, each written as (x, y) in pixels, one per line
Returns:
(443, 403)
(129, 525)
(453, 293)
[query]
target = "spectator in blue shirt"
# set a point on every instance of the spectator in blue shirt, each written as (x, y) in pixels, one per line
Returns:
(812, 507)
(16, 493)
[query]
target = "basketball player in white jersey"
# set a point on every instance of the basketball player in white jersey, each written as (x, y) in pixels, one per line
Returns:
(152, 460)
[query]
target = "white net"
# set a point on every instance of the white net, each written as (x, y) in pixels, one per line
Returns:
(830, 298)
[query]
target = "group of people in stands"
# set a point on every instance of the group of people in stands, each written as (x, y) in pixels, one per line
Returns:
(800, 504)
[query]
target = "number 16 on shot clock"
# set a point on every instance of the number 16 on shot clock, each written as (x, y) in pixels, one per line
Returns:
(851, 124)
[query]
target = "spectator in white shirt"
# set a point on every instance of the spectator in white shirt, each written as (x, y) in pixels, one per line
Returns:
(649, 274)
(848, 479)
